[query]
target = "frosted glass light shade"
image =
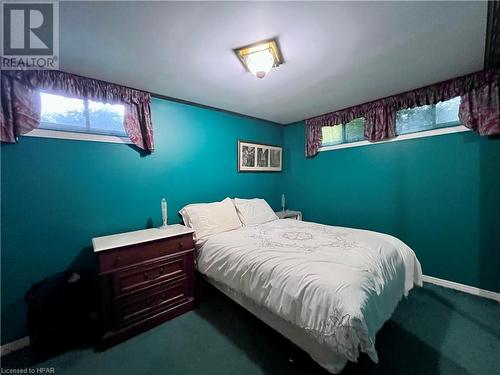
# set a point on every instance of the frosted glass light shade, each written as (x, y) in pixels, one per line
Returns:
(260, 62)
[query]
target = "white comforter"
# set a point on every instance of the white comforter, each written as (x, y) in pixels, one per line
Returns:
(338, 284)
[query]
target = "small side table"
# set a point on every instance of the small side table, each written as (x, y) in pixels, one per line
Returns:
(289, 214)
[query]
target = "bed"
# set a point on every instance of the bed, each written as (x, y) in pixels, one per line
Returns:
(327, 289)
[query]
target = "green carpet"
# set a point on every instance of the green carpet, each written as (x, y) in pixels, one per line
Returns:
(434, 331)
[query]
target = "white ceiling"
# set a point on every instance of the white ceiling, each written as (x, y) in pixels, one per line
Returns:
(337, 54)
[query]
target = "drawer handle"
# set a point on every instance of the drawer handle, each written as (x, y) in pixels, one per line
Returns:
(148, 302)
(146, 275)
(181, 245)
(160, 271)
(117, 260)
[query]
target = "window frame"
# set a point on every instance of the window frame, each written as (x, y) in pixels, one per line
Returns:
(75, 136)
(84, 135)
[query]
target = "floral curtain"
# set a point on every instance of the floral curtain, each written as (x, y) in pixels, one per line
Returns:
(479, 109)
(20, 109)
(380, 123)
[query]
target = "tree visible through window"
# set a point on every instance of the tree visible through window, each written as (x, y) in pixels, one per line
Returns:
(428, 117)
(350, 132)
(81, 115)
(332, 135)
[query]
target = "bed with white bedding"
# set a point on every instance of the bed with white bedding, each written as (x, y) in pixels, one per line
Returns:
(327, 289)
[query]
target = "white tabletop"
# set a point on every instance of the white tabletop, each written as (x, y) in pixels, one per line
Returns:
(130, 238)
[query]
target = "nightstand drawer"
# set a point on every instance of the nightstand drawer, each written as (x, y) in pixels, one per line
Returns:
(142, 305)
(114, 259)
(149, 273)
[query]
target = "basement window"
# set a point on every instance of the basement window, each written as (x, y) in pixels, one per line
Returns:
(424, 121)
(428, 117)
(344, 133)
(80, 119)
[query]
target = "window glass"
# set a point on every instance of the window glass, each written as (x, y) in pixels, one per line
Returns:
(447, 112)
(60, 112)
(355, 130)
(81, 115)
(415, 119)
(428, 117)
(106, 118)
(332, 135)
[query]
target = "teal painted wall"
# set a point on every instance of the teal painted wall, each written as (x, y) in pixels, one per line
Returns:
(438, 194)
(58, 194)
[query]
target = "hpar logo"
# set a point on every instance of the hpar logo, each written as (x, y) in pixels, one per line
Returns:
(30, 35)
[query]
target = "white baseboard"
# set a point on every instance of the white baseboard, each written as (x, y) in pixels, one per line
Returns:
(14, 345)
(462, 287)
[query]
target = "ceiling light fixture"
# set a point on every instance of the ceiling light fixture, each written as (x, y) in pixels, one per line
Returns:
(259, 58)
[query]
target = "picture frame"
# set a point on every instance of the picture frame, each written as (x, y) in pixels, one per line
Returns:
(259, 157)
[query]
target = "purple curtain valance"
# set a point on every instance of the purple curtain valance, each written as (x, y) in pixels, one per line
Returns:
(479, 108)
(20, 109)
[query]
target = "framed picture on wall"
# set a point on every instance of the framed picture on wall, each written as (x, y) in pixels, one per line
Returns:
(259, 157)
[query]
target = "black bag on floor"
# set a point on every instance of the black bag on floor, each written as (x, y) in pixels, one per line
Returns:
(60, 311)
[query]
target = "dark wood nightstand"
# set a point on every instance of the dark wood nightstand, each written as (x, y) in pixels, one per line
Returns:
(147, 277)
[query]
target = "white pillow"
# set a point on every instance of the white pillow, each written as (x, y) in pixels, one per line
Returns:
(210, 218)
(254, 211)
